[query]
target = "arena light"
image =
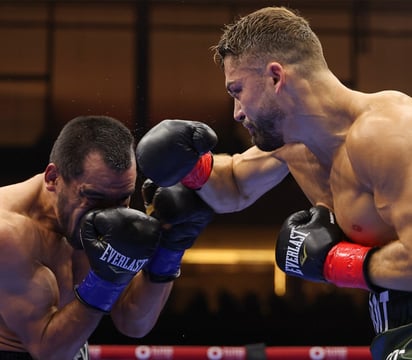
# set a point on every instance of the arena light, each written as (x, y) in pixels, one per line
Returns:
(279, 281)
(210, 256)
(233, 256)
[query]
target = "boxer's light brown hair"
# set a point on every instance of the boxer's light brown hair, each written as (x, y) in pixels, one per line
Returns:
(272, 34)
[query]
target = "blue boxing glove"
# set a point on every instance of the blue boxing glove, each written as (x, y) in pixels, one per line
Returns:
(118, 243)
(184, 215)
(177, 151)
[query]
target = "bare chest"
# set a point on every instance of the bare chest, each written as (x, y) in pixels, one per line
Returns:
(355, 206)
(338, 188)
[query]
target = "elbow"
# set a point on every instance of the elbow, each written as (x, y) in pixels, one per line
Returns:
(133, 329)
(136, 333)
(231, 206)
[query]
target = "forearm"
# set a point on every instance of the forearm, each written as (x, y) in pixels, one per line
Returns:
(140, 305)
(390, 267)
(221, 191)
(237, 181)
(66, 332)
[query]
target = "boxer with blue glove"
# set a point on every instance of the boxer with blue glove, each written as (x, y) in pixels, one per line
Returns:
(118, 243)
(184, 215)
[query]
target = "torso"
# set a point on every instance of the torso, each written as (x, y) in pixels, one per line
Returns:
(46, 251)
(354, 206)
(339, 188)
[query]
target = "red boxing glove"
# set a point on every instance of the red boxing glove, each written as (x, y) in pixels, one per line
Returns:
(346, 265)
(200, 173)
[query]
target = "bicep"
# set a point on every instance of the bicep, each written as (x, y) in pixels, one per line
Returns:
(29, 298)
(238, 181)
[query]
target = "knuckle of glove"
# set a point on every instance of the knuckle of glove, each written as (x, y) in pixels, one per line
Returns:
(204, 137)
(165, 154)
(145, 233)
(327, 221)
(168, 204)
(298, 218)
(171, 149)
(178, 204)
(111, 220)
(139, 235)
(127, 230)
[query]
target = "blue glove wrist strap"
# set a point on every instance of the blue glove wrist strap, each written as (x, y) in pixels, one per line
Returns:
(98, 293)
(164, 265)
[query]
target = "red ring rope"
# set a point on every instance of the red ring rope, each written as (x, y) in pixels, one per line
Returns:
(144, 352)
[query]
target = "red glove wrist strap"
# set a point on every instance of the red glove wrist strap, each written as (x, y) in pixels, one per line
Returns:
(200, 173)
(344, 265)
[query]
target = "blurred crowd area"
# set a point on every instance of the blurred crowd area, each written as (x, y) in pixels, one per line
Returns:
(330, 320)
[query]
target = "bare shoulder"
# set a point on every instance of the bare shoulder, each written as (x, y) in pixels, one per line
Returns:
(21, 235)
(29, 292)
(17, 234)
(22, 262)
(386, 114)
(380, 139)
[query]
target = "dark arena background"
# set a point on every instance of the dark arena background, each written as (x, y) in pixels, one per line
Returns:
(145, 61)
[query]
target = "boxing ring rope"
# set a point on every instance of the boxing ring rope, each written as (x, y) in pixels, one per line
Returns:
(251, 352)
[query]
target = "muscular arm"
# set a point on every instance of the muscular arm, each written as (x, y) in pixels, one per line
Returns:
(30, 300)
(238, 181)
(382, 163)
(391, 266)
(179, 151)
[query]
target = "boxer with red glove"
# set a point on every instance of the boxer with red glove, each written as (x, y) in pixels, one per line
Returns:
(311, 246)
(118, 243)
(184, 215)
(177, 151)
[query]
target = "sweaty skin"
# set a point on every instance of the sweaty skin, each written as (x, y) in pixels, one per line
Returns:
(38, 309)
(347, 150)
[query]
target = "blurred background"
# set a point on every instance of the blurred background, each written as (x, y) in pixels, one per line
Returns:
(144, 61)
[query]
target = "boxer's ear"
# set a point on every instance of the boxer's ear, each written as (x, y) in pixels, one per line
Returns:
(51, 175)
(276, 72)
